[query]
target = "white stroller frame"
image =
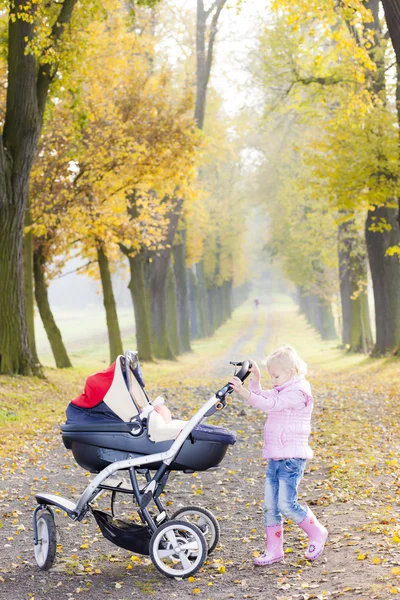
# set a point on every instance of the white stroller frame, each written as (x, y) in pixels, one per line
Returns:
(178, 539)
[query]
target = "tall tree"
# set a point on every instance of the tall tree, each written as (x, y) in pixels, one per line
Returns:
(29, 79)
(42, 301)
(207, 22)
(383, 221)
(40, 43)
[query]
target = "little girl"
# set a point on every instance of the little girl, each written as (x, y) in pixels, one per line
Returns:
(289, 406)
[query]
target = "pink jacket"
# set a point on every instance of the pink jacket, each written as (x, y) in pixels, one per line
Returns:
(288, 425)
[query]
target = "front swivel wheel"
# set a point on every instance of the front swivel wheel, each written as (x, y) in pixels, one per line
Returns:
(178, 549)
(45, 549)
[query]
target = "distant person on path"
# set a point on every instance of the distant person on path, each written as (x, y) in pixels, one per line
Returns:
(256, 302)
(289, 405)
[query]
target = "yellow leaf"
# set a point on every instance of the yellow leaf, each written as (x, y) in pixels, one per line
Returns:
(396, 539)
(221, 569)
(396, 571)
(84, 546)
(191, 579)
(376, 560)
(196, 591)
(361, 557)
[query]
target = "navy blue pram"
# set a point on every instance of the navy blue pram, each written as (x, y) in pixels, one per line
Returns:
(114, 432)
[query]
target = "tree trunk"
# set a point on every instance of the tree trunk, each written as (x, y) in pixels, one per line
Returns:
(15, 355)
(182, 296)
(385, 272)
(311, 310)
(204, 55)
(219, 305)
(392, 16)
(325, 323)
(157, 268)
(42, 300)
(159, 308)
(194, 306)
(114, 334)
(204, 321)
(302, 301)
(356, 326)
(240, 295)
(212, 309)
(27, 88)
(28, 287)
(227, 300)
(172, 317)
(141, 304)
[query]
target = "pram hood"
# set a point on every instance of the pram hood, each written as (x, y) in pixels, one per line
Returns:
(111, 387)
(119, 389)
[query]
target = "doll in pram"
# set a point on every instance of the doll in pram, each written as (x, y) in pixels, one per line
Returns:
(115, 432)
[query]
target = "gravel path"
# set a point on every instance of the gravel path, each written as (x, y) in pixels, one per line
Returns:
(89, 567)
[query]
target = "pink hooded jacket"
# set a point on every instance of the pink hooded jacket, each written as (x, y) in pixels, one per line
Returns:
(288, 426)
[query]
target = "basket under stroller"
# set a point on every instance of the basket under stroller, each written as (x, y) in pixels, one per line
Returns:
(115, 433)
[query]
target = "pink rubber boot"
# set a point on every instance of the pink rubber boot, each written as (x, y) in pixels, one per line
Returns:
(274, 546)
(317, 535)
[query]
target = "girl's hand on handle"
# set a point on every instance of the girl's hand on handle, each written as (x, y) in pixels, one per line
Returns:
(255, 371)
(237, 387)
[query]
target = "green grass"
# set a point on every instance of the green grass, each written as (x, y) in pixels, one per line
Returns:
(84, 333)
(29, 405)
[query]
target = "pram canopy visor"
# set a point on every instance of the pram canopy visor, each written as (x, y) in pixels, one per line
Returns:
(120, 387)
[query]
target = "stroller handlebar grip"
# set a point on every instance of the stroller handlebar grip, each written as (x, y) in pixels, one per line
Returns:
(243, 373)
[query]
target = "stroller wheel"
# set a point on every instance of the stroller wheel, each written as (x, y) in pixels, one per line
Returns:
(45, 549)
(178, 549)
(205, 521)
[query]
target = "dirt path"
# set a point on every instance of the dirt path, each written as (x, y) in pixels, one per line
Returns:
(351, 485)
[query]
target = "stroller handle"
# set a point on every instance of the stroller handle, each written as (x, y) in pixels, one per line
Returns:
(243, 373)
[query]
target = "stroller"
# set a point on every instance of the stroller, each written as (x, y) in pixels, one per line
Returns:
(118, 435)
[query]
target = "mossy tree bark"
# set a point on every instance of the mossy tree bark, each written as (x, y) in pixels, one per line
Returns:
(172, 316)
(27, 89)
(227, 299)
(212, 309)
(325, 320)
(392, 16)
(385, 270)
(28, 287)
(318, 312)
(141, 304)
(182, 295)
(42, 300)
(114, 333)
(156, 269)
(139, 291)
(194, 306)
(204, 322)
(385, 273)
(356, 325)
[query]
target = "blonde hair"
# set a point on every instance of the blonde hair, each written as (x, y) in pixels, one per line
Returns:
(288, 359)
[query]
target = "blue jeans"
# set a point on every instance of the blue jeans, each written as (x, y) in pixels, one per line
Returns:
(281, 484)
